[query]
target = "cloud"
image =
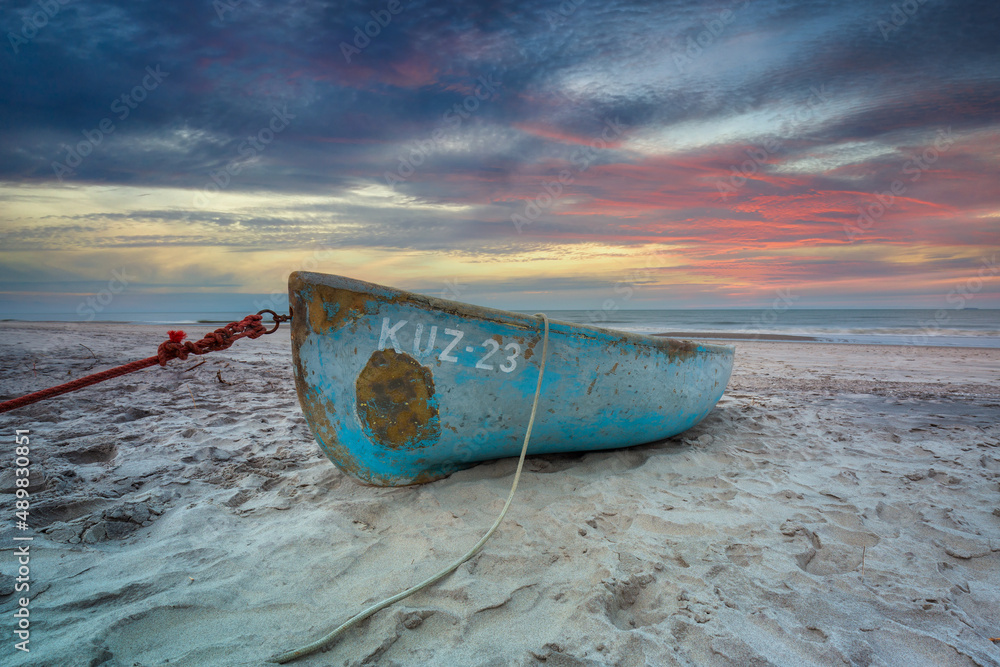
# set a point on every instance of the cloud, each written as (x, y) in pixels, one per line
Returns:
(730, 158)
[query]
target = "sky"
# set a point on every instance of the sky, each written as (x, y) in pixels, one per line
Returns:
(189, 155)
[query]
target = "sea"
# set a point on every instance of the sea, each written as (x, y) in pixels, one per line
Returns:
(954, 327)
(967, 327)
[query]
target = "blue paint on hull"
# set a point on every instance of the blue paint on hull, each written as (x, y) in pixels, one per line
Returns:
(460, 380)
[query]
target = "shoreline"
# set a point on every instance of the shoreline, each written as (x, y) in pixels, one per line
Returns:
(196, 330)
(697, 335)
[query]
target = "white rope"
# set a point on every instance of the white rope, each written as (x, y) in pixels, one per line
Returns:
(288, 656)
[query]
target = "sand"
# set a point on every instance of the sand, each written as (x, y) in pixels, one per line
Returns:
(187, 517)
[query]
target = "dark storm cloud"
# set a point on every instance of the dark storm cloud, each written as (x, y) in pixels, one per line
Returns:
(230, 64)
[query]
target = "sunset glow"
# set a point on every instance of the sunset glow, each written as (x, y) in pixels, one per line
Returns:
(535, 159)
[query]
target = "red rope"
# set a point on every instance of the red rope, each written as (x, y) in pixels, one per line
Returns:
(220, 339)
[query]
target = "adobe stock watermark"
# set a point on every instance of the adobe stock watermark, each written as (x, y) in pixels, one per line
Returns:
(381, 18)
(32, 21)
(899, 15)
(411, 159)
(565, 10)
(223, 6)
(553, 191)
(714, 27)
(759, 156)
(914, 168)
(469, 449)
(453, 290)
(254, 145)
(92, 305)
(122, 106)
(21, 478)
(625, 289)
(277, 300)
(768, 317)
(958, 296)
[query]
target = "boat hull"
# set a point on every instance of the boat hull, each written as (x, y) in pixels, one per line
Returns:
(400, 388)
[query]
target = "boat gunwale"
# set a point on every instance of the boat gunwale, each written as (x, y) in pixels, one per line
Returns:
(506, 317)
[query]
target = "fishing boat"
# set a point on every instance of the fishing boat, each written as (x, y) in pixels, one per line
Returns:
(400, 388)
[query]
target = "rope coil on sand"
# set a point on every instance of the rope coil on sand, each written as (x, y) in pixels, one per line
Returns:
(320, 643)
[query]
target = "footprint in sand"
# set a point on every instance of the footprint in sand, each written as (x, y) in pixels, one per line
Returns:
(101, 452)
(744, 554)
(834, 550)
(633, 602)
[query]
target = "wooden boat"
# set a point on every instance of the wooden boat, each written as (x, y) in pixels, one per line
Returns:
(400, 388)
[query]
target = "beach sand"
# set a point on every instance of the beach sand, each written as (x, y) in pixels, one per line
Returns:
(187, 517)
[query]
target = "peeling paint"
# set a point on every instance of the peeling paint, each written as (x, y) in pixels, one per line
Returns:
(396, 403)
(388, 418)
